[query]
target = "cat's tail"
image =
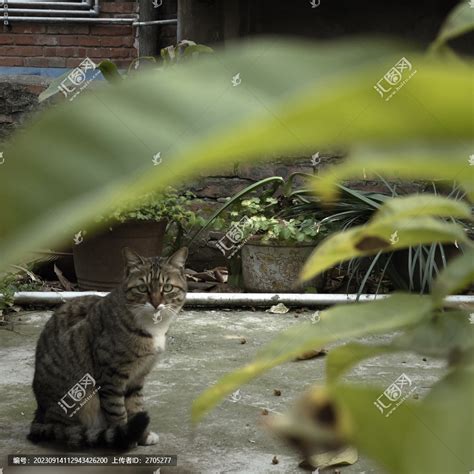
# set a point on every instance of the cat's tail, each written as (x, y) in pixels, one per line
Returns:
(118, 437)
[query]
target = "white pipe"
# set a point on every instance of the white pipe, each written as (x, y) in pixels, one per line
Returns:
(47, 4)
(227, 299)
(49, 19)
(15, 10)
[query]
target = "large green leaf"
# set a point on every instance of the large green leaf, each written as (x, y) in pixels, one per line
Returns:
(429, 437)
(423, 205)
(84, 157)
(444, 163)
(380, 235)
(341, 359)
(336, 323)
(459, 22)
(448, 335)
(456, 276)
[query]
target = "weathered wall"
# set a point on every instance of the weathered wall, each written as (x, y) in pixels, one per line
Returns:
(18, 99)
(45, 45)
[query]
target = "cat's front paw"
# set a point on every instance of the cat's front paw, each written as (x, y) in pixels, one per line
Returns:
(149, 439)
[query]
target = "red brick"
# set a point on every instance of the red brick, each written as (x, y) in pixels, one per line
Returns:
(24, 39)
(67, 40)
(56, 62)
(27, 28)
(122, 63)
(109, 52)
(6, 39)
(112, 30)
(117, 41)
(10, 62)
(46, 40)
(22, 51)
(65, 52)
(104, 41)
(34, 39)
(114, 7)
(69, 29)
(73, 62)
(36, 62)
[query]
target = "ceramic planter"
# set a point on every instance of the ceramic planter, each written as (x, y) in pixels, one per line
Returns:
(272, 268)
(98, 260)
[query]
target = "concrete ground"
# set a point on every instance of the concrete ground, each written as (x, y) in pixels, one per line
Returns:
(204, 345)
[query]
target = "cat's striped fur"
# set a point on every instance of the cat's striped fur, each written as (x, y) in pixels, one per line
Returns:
(116, 340)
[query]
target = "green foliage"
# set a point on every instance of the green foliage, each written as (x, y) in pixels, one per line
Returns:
(257, 217)
(171, 206)
(456, 276)
(12, 282)
(427, 328)
(391, 228)
(86, 157)
(459, 22)
(99, 148)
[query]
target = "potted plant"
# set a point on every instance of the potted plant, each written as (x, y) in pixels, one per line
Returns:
(275, 248)
(413, 268)
(142, 225)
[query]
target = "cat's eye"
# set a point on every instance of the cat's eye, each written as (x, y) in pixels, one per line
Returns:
(142, 288)
(167, 287)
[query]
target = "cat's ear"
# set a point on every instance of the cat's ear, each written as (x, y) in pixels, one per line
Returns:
(178, 259)
(131, 258)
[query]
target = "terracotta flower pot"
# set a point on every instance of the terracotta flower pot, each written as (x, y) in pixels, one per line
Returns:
(98, 259)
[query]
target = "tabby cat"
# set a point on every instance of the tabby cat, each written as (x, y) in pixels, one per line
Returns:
(94, 353)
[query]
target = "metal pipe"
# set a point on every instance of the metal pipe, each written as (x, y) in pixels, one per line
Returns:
(52, 12)
(155, 22)
(85, 5)
(227, 299)
(132, 21)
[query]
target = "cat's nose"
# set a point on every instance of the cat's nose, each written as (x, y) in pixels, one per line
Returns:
(156, 301)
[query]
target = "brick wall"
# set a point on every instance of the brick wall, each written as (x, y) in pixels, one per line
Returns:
(67, 44)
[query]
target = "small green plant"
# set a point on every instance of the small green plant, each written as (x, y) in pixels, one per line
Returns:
(170, 205)
(258, 218)
(10, 283)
